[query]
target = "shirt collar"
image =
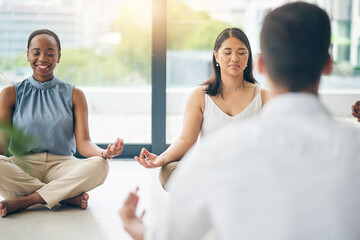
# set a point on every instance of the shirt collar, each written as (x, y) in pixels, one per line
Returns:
(43, 85)
(299, 103)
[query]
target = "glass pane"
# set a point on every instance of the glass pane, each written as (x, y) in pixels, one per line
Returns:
(106, 52)
(193, 26)
(345, 25)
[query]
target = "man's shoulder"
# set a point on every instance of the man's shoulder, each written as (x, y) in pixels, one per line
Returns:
(234, 136)
(344, 131)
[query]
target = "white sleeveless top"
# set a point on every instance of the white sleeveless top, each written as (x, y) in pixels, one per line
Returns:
(214, 117)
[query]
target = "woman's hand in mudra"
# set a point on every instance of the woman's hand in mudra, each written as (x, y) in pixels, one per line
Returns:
(149, 160)
(113, 149)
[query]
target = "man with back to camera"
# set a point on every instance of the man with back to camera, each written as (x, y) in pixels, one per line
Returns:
(291, 173)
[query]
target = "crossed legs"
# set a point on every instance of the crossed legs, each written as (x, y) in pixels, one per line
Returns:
(66, 183)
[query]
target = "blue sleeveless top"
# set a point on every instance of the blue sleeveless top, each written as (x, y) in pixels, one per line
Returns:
(44, 110)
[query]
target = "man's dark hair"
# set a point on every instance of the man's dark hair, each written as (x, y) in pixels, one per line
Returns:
(294, 41)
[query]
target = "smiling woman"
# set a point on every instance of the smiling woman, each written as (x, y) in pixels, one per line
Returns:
(55, 114)
(43, 53)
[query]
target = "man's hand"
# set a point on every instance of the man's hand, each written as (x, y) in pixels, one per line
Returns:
(133, 224)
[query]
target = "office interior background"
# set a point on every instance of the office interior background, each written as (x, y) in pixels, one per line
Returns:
(137, 60)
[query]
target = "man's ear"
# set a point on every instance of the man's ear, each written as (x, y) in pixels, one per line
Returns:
(328, 66)
(59, 58)
(261, 64)
(27, 54)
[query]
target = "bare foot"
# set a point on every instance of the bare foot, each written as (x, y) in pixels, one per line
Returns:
(20, 203)
(78, 201)
(3, 209)
(11, 206)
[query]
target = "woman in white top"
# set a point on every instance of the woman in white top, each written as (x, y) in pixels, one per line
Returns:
(229, 95)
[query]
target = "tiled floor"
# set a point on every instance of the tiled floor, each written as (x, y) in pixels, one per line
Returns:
(101, 220)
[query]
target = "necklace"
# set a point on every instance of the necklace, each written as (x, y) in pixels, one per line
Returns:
(236, 89)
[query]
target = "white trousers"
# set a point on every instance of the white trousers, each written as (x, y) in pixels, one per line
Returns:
(54, 177)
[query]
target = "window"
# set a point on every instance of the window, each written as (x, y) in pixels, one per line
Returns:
(137, 65)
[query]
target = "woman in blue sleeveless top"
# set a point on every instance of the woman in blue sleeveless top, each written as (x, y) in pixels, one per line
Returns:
(56, 115)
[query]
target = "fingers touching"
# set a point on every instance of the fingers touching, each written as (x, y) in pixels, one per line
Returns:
(115, 149)
(128, 210)
(146, 158)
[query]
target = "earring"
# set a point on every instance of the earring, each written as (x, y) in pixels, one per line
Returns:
(217, 64)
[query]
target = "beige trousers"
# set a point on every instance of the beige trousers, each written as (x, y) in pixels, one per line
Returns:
(54, 177)
(166, 171)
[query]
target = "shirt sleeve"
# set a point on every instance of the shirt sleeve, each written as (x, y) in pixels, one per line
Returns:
(187, 210)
